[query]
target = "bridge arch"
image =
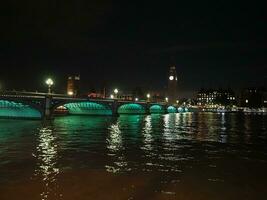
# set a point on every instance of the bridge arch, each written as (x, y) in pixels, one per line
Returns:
(180, 109)
(171, 109)
(131, 108)
(87, 108)
(183, 109)
(15, 109)
(157, 109)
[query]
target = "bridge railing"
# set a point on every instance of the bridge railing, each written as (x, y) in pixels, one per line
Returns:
(24, 94)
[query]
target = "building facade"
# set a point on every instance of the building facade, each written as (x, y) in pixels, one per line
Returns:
(73, 85)
(215, 98)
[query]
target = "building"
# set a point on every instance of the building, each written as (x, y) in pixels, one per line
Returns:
(215, 98)
(157, 96)
(126, 97)
(172, 85)
(73, 85)
(253, 98)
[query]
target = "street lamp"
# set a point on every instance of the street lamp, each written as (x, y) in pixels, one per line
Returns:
(112, 96)
(136, 99)
(148, 97)
(177, 101)
(49, 82)
(167, 99)
(116, 91)
(70, 93)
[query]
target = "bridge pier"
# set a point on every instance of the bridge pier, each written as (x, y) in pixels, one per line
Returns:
(47, 109)
(115, 108)
(147, 108)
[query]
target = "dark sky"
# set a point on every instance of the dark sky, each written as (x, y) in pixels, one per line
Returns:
(212, 43)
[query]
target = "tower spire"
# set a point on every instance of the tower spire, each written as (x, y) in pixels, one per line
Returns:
(172, 85)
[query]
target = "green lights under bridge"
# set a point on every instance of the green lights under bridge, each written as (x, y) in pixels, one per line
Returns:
(92, 108)
(24, 109)
(11, 109)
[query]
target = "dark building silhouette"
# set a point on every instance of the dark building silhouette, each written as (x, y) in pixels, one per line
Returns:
(138, 93)
(73, 86)
(172, 85)
(253, 98)
(214, 97)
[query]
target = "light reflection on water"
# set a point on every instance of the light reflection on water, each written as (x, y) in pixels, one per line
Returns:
(208, 148)
(147, 134)
(47, 158)
(115, 146)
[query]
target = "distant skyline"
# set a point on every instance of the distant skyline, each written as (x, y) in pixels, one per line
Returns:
(124, 44)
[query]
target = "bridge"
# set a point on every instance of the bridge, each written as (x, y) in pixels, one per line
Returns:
(33, 105)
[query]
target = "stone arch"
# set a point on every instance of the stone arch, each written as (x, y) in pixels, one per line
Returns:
(180, 109)
(19, 109)
(87, 108)
(171, 109)
(156, 109)
(131, 108)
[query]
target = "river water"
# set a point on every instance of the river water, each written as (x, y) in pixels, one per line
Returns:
(173, 156)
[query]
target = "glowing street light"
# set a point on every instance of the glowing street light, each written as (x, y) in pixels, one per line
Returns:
(49, 82)
(70, 93)
(177, 101)
(136, 99)
(166, 99)
(112, 96)
(148, 95)
(246, 101)
(116, 91)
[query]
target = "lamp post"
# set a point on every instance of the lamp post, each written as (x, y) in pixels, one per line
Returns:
(148, 96)
(116, 91)
(49, 82)
(166, 99)
(48, 99)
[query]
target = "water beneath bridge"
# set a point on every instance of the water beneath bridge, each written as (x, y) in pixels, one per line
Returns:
(171, 156)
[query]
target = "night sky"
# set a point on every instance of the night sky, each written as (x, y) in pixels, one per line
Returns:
(118, 43)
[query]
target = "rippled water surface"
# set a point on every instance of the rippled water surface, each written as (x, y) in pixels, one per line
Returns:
(173, 156)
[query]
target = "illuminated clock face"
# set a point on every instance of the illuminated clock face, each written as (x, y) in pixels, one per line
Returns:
(171, 78)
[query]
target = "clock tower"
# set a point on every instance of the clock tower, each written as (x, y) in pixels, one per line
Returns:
(172, 85)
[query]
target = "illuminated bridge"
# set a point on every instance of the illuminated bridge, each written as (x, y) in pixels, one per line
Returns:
(42, 106)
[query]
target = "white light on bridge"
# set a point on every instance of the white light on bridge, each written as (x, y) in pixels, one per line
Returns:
(116, 91)
(136, 99)
(112, 96)
(49, 82)
(148, 96)
(166, 99)
(70, 93)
